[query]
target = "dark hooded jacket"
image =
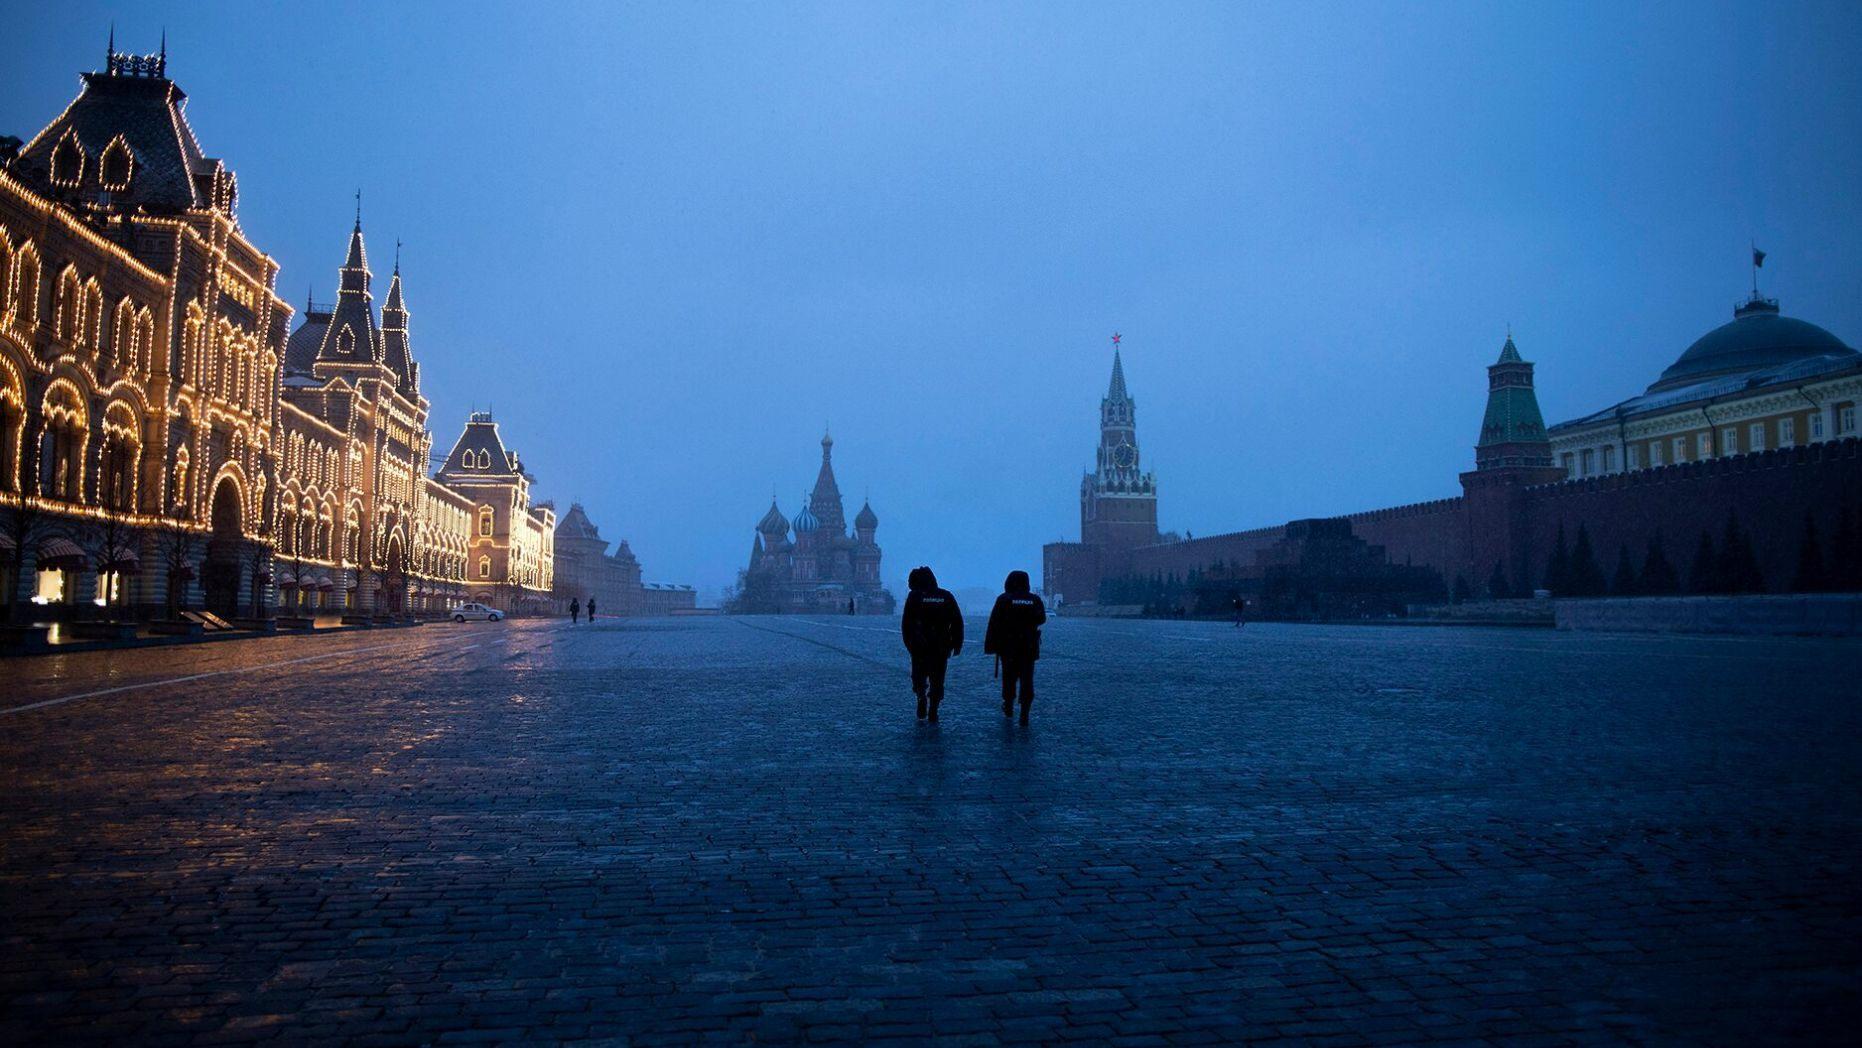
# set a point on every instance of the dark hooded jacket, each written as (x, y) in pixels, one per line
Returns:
(932, 623)
(1015, 622)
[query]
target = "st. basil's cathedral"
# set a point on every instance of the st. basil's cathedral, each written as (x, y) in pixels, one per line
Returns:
(821, 569)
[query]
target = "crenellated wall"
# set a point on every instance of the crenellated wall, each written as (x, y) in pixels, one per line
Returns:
(1771, 492)
(1512, 520)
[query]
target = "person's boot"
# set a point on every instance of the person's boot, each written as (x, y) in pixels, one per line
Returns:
(934, 705)
(1025, 704)
(1008, 706)
(921, 707)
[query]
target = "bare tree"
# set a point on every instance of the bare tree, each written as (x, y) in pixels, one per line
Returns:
(258, 561)
(179, 548)
(26, 526)
(296, 571)
(112, 542)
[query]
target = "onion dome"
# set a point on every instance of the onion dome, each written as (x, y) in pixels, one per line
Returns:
(773, 522)
(867, 520)
(1758, 337)
(806, 519)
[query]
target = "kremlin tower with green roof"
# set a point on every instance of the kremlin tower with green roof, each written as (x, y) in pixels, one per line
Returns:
(1513, 431)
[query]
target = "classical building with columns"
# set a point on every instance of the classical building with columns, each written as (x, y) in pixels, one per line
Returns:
(1761, 381)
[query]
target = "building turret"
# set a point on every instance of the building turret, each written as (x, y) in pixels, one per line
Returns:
(350, 337)
(1512, 431)
(1118, 499)
(866, 523)
(396, 354)
(825, 501)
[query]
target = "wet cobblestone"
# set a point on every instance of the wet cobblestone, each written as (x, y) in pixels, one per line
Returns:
(735, 830)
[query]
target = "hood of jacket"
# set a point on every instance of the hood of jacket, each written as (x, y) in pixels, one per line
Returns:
(1017, 582)
(921, 578)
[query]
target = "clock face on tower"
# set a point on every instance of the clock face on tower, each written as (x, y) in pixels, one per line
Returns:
(1124, 455)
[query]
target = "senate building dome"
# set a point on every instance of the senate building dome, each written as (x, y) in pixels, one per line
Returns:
(1757, 337)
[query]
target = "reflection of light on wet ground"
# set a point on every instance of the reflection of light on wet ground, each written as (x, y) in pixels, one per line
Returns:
(1321, 814)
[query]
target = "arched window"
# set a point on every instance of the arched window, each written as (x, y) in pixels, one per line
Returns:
(484, 567)
(6, 274)
(346, 341)
(123, 337)
(70, 306)
(144, 342)
(122, 454)
(90, 332)
(61, 443)
(485, 520)
(24, 304)
(12, 426)
(193, 332)
(179, 495)
(68, 162)
(117, 166)
(287, 530)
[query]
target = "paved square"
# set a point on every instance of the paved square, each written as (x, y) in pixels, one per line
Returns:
(735, 829)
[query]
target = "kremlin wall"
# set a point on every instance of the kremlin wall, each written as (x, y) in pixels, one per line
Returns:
(1748, 442)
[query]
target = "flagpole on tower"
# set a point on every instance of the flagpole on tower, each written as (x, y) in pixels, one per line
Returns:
(1758, 259)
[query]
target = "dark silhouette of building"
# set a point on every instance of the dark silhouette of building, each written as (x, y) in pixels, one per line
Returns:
(822, 567)
(1755, 421)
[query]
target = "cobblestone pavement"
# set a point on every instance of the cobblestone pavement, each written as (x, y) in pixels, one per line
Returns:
(735, 830)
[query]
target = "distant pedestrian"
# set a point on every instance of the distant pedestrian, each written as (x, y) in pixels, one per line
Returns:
(850, 605)
(591, 611)
(932, 627)
(1014, 636)
(575, 610)
(1241, 610)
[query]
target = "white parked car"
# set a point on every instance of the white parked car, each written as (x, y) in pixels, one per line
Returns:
(475, 610)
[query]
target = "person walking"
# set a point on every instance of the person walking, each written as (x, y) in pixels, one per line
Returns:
(1241, 610)
(575, 611)
(1014, 636)
(932, 627)
(591, 611)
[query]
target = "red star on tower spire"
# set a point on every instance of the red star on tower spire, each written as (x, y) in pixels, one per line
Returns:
(1115, 339)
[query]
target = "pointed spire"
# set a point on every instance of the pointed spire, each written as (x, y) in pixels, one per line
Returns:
(358, 209)
(109, 54)
(1116, 389)
(1509, 353)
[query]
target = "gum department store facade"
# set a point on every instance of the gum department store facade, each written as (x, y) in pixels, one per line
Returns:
(167, 442)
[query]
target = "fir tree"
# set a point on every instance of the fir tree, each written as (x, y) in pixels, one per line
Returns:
(1658, 576)
(1810, 577)
(1623, 583)
(1558, 568)
(1704, 576)
(1585, 578)
(1497, 589)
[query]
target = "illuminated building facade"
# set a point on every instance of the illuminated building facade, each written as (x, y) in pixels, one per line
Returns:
(360, 523)
(165, 445)
(140, 345)
(510, 554)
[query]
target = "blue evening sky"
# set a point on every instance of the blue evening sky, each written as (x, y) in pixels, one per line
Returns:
(669, 242)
